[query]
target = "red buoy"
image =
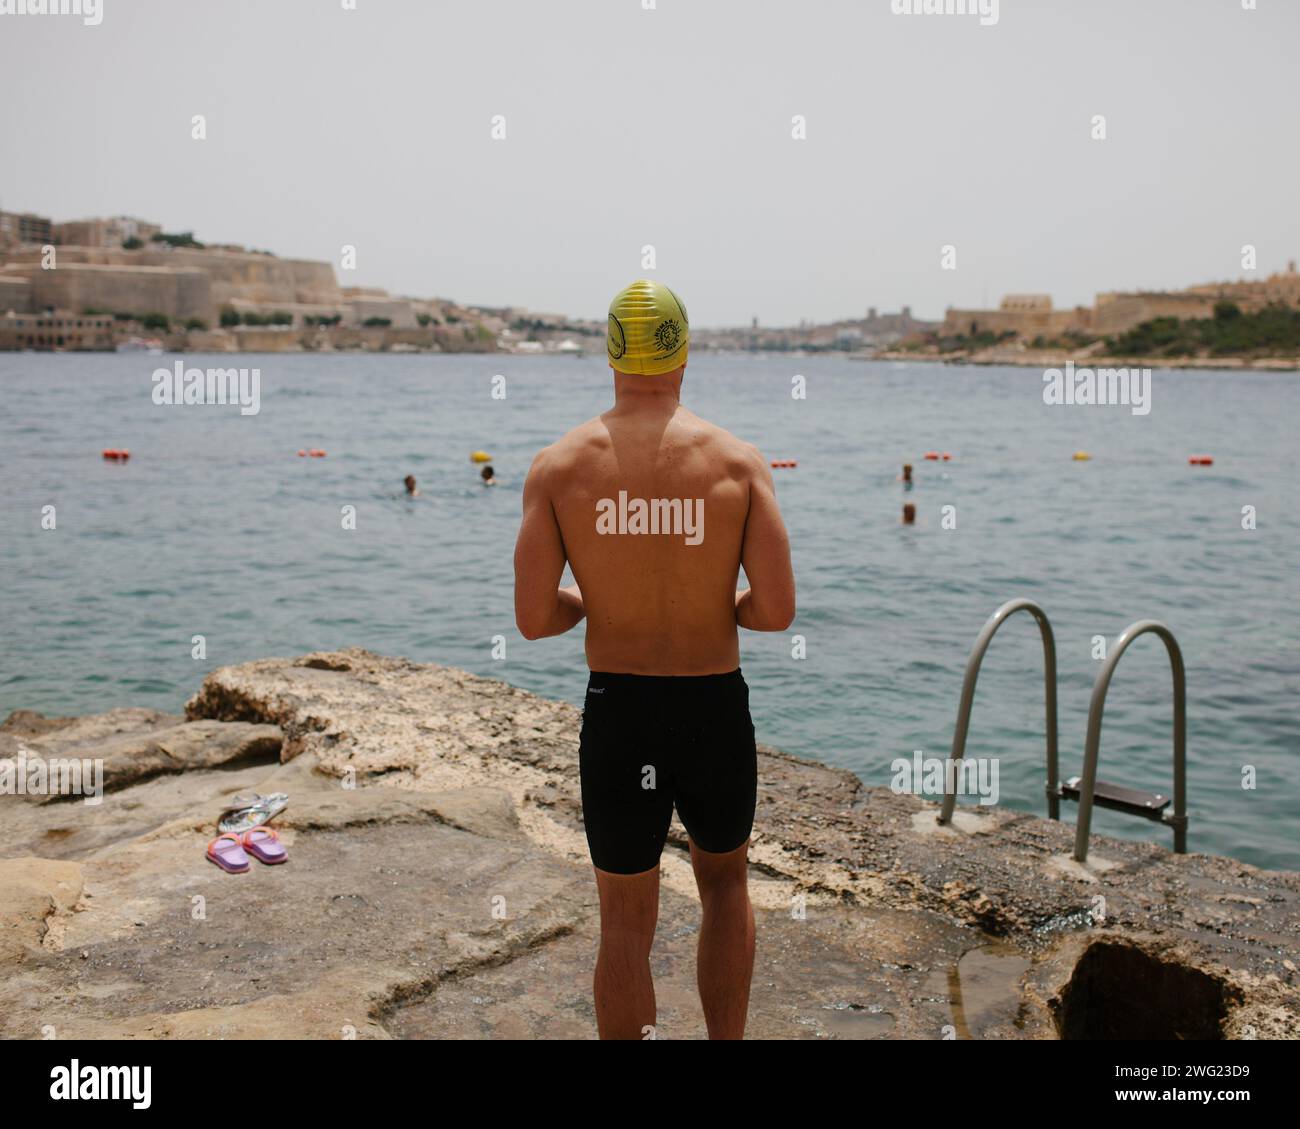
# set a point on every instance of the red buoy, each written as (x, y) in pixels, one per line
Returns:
(116, 454)
(1201, 460)
(933, 456)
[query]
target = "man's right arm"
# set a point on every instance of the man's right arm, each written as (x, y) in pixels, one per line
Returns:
(768, 603)
(542, 607)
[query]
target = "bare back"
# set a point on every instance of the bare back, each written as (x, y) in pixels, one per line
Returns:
(631, 493)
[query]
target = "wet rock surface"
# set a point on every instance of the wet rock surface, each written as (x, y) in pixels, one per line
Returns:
(438, 886)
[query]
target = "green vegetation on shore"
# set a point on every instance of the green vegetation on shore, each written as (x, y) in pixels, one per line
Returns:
(231, 318)
(1272, 331)
(179, 239)
(960, 343)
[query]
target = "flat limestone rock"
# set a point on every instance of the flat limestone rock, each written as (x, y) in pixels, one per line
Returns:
(439, 886)
(135, 745)
(829, 973)
(166, 944)
(32, 892)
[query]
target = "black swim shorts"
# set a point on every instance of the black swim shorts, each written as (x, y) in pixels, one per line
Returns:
(650, 742)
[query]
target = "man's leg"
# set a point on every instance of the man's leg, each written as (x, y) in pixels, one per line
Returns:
(625, 994)
(725, 964)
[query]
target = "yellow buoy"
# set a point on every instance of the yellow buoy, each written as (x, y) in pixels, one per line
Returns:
(480, 457)
(1081, 456)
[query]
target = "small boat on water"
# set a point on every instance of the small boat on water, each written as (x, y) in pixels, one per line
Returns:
(149, 345)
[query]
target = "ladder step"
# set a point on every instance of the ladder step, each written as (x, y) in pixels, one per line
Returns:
(1117, 797)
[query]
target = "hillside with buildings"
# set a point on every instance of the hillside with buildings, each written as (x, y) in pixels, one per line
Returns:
(105, 283)
(120, 282)
(125, 283)
(1242, 321)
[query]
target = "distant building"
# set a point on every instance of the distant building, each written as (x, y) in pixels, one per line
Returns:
(1026, 315)
(1283, 287)
(398, 312)
(17, 228)
(15, 292)
(1027, 303)
(55, 330)
(1113, 312)
(178, 294)
(112, 232)
(1116, 312)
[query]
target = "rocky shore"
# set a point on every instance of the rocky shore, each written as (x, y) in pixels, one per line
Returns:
(438, 886)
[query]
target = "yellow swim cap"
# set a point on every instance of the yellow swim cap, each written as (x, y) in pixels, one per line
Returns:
(648, 331)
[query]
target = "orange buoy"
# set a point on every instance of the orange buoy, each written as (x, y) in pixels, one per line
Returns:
(932, 456)
(1201, 460)
(946, 456)
(778, 463)
(116, 454)
(302, 454)
(316, 453)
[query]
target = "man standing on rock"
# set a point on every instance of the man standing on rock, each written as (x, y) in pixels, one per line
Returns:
(623, 499)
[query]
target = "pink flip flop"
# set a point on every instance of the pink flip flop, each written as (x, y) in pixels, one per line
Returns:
(227, 853)
(264, 845)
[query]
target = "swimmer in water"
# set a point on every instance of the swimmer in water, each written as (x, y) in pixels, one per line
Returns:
(907, 473)
(409, 482)
(909, 514)
(489, 476)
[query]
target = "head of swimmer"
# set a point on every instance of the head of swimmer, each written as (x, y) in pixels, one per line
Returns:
(409, 483)
(648, 327)
(487, 474)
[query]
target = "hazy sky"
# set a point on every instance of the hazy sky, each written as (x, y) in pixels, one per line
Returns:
(672, 127)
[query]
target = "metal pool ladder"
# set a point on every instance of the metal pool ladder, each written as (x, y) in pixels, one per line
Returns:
(1086, 790)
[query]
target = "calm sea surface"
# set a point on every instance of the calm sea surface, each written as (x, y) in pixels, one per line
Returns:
(215, 527)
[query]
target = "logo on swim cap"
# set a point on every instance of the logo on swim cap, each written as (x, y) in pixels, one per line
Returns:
(668, 336)
(617, 344)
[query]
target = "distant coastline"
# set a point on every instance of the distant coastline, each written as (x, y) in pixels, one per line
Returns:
(124, 284)
(1047, 360)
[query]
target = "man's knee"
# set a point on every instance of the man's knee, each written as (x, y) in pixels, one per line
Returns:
(721, 876)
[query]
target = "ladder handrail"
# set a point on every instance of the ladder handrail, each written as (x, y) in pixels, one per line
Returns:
(1088, 784)
(968, 693)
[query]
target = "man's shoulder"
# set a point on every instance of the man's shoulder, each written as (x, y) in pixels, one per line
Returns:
(740, 456)
(569, 449)
(578, 441)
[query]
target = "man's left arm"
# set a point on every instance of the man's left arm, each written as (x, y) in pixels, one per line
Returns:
(542, 607)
